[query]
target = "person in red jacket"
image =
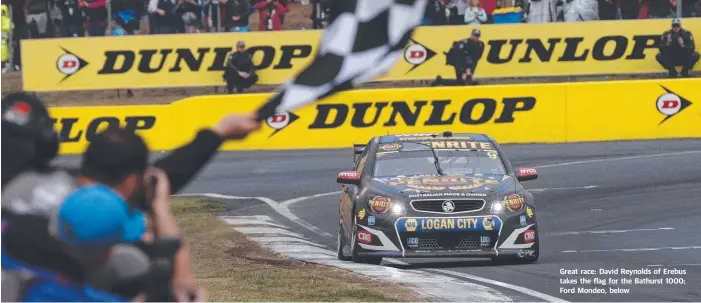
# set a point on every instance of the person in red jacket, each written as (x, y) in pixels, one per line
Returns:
(271, 12)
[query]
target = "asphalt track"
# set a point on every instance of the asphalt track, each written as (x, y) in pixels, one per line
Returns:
(613, 205)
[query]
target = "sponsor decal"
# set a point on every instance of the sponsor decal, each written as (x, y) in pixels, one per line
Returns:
(447, 224)
(513, 202)
(371, 220)
(380, 204)
(441, 182)
(411, 225)
(522, 220)
(351, 175)
(68, 132)
(526, 253)
(529, 212)
(476, 145)
(279, 121)
(69, 64)
(416, 54)
(361, 214)
(671, 104)
(527, 171)
(479, 111)
(430, 137)
(412, 242)
(456, 194)
(448, 206)
(485, 240)
(529, 236)
(364, 237)
(510, 241)
(390, 147)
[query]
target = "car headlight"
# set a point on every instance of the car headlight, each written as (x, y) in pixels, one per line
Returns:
(397, 208)
(497, 207)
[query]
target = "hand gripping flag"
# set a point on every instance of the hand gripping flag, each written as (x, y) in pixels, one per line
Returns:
(362, 43)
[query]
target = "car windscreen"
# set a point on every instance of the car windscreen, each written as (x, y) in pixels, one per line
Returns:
(417, 159)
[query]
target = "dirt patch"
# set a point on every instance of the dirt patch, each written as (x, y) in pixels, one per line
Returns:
(232, 268)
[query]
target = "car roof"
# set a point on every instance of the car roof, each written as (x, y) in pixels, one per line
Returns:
(423, 137)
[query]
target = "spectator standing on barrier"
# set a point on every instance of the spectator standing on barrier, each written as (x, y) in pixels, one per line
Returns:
(437, 12)
(238, 10)
(73, 19)
(677, 48)
(164, 17)
(475, 14)
(463, 56)
(95, 15)
(270, 14)
(240, 71)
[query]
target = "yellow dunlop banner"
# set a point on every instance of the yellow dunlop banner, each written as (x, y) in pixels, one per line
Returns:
(512, 50)
(595, 111)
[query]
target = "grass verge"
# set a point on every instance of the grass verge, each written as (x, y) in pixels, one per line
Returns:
(232, 268)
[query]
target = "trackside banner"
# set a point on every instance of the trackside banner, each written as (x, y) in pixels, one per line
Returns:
(512, 50)
(549, 113)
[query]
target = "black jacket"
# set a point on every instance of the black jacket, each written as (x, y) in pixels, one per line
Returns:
(240, 9)
(435, 10)
(465, 53)
(240, 62)
(686, 36)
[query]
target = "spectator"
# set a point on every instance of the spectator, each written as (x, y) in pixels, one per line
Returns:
(240, 72)
(7, 27)
(581, 10)
(212, 11)
(630, 9)
(239, 12)
(164, 17)
(37, 12)
(320, 13)
(270, 13)
(608, 10)
(457, 11)
(489, 7)
(691, 8)
(474, 14)
(286, 5)
(644, 9)
(95, 15)
(436, 12)
(189, 12)
(463, 56)
(127, 13)
(661, 9)
(677, 48)
(541, 11)
(73, 19)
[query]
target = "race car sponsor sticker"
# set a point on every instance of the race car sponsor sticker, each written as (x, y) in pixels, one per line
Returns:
(364, 237)
(412, 242)
(529, 236)
(431, 183)
(361, 214)
(529, 212)
(513, 202)
(447, 224)
(522, 219)
(390, 147)
(371, 220)
(485, 240)
(380, 204)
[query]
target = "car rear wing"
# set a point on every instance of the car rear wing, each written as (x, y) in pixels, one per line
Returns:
(358, 149)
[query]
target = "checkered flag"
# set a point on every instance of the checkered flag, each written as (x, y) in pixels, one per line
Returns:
(361, 44)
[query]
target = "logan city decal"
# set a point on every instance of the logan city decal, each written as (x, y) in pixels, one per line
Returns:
(670, 104)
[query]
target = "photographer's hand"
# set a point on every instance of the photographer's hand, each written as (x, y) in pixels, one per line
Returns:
(236, 126)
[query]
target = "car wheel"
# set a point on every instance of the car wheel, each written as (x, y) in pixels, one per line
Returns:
(341, 243)
(354, 247)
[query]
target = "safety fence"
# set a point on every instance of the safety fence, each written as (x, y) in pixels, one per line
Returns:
(551, 113)
(512, 50)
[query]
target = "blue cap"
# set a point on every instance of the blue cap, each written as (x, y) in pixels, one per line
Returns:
(96, 217)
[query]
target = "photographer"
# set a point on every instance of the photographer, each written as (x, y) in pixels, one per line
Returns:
(677, 48)
(271, 15)
(463, 56)
(240, 73)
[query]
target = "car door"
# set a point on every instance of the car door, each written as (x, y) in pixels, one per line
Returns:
(348, 192)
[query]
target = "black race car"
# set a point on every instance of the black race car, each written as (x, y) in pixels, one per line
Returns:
(435, 195)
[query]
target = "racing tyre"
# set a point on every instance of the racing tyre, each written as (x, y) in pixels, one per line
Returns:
(341, 243)
(354, 246)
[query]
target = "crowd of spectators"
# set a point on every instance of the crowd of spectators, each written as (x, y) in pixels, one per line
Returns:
(472, 12)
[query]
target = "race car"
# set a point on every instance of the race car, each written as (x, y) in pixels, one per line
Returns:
(435, 195)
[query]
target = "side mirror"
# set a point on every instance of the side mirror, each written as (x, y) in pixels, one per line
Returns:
(349, 177)
(526, 174)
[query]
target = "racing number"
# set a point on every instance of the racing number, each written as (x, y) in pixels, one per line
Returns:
(492, 155)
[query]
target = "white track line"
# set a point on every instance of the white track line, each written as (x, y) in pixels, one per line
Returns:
(538, 190)
(287, 203)
(618, 159)
(673, 265)
(633, 249)
(520, 289)
(608, 231)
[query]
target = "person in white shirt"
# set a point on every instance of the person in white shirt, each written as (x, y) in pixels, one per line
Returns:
(475, 14)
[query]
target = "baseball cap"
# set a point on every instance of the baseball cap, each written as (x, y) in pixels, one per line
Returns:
(476, 32)
(676, 22)
(241, 43)
(95, 217)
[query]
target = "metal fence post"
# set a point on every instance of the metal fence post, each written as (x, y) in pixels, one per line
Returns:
(108, 28)
(218, 17)
(679, 9)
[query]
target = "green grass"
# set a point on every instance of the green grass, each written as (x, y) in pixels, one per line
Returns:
(231, 268)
